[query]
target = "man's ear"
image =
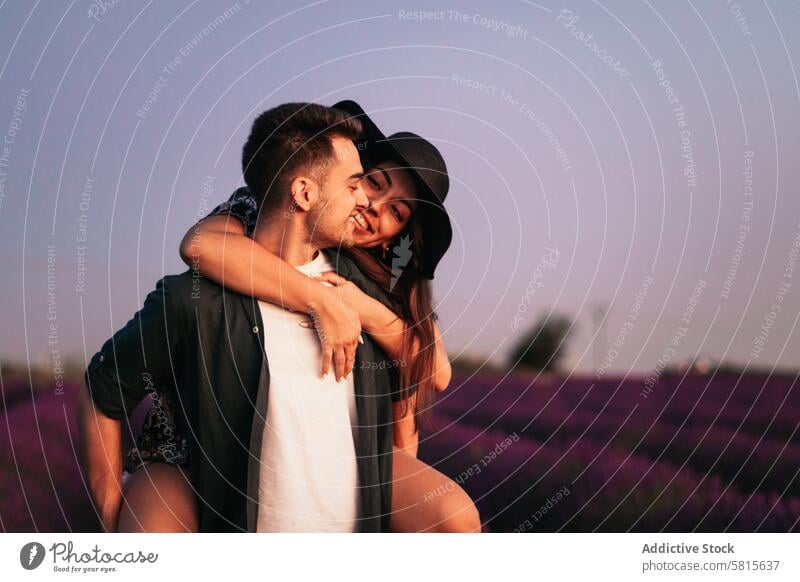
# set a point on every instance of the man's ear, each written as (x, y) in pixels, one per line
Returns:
(305, 193)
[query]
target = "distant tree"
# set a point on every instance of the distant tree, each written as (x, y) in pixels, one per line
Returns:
(543, 347)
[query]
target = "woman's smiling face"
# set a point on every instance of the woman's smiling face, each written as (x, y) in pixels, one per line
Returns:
(393, 198)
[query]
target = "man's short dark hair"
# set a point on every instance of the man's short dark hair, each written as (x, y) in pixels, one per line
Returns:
(290, 139)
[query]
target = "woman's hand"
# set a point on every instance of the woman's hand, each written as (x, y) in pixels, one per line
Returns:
(338, 320)
(339, 329)
(385, 327)
(347, 291)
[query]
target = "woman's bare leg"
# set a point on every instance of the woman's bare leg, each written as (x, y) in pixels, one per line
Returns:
(425, 500)
(158, 497)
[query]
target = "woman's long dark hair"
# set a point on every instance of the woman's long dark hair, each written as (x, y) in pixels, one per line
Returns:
(412, 300)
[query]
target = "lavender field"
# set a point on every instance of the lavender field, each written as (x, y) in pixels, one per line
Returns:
(697, 454)
(41, 486)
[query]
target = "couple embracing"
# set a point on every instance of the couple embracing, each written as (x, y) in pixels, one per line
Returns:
(291, 366)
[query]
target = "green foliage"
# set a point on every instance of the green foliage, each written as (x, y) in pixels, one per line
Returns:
(543, 347)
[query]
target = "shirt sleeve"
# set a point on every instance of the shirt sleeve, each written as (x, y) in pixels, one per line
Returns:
(241, 205)
(137, 359)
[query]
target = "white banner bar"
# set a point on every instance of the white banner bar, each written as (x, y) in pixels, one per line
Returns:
(401, 557)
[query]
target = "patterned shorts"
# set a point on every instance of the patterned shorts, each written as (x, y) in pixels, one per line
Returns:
(159, 439)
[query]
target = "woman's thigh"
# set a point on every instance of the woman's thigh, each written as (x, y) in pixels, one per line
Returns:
(425, 500)
(158, 497)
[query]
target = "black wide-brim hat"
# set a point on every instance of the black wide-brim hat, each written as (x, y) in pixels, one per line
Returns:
(427, 168)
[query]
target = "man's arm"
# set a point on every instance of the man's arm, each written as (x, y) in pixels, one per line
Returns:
(139, 357)
(101, 455)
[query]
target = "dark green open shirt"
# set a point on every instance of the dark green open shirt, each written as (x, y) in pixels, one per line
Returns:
(204, 345)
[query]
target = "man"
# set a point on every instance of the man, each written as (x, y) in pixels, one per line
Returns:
(272, 446)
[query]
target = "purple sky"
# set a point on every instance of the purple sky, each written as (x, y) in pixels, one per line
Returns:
(614, 134)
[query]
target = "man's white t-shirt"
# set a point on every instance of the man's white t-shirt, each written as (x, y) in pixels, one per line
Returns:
(308, 474)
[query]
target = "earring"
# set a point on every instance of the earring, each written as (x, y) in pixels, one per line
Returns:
(385, 250)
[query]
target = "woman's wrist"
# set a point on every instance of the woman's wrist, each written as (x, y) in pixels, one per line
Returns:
(318, 298)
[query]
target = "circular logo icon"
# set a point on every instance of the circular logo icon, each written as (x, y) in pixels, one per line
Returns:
(31, 555)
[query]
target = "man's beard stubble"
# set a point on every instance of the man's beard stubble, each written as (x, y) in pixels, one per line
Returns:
(325, 233)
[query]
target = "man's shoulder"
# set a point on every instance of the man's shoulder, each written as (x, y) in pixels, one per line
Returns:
(189, 286)
(346, 267)
(342, 264)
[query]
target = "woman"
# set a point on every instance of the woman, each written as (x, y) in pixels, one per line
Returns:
(399, 240)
